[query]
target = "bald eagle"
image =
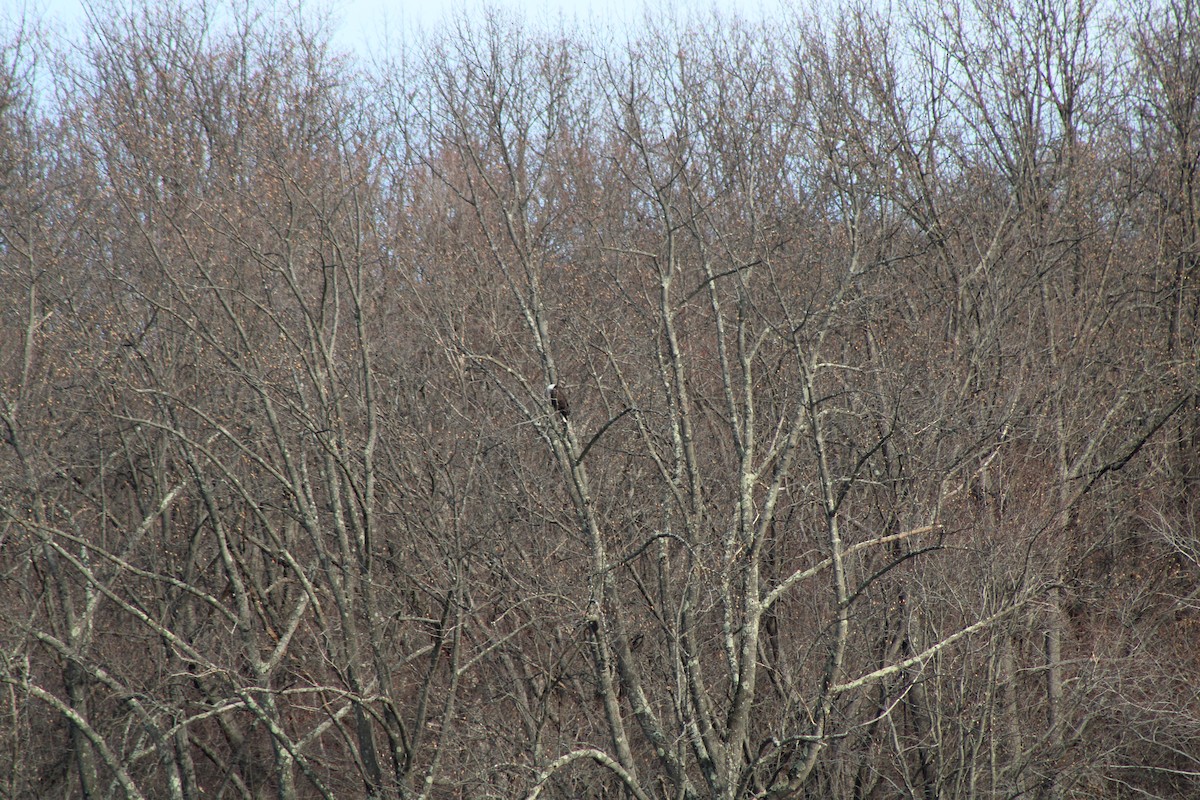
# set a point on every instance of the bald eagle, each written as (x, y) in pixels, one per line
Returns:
(558, 399)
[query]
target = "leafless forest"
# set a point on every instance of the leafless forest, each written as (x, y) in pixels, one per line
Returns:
(881, 478)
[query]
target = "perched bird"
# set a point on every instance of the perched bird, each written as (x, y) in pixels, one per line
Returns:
(558, 399)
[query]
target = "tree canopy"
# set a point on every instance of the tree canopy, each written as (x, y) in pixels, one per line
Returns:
(881, 329)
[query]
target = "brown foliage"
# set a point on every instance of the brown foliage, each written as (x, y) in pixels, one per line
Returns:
(882, 468)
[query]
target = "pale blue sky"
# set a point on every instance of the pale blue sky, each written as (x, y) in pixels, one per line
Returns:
(364, 23)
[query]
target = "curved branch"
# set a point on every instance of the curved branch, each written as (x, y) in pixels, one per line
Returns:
(803, 574)
(110, 759)
(927, 653)
(601, 758)
(596, 437)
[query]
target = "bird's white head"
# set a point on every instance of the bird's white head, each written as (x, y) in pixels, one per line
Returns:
(550, 388)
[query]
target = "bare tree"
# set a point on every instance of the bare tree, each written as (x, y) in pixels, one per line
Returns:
(876, 328)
